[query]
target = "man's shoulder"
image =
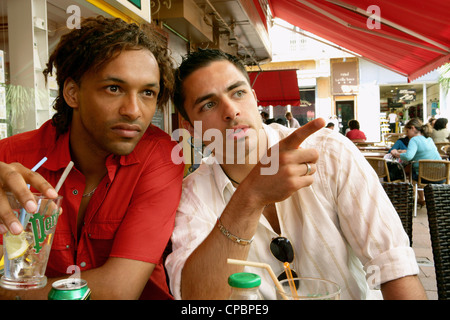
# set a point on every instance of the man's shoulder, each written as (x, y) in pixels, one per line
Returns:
(38, 138)
(156, 136)
(156, 145)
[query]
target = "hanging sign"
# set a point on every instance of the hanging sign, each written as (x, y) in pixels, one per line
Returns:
(137, 9)
(406, 95)
(344, 78)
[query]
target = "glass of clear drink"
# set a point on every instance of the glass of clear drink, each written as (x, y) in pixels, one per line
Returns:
(26, 255)
(308, 289)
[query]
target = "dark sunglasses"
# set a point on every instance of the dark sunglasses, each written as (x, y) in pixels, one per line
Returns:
(281, 248)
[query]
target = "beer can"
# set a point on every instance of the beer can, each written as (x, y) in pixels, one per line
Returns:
(70, 289)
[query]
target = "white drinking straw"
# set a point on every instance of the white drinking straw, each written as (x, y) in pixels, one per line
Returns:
(64, 176)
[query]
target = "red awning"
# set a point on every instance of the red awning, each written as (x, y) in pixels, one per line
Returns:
(412, 38)
(276, 87)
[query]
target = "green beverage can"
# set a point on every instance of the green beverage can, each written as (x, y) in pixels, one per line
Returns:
(70, 289)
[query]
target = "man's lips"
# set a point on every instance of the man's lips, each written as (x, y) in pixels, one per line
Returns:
(237, 132)
(127, 130)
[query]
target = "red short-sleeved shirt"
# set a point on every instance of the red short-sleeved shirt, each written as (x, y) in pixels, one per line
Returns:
(131, 214)
(355, 134)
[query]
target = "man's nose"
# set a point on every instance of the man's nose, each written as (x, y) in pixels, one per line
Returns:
(130, 107)
(230, 110)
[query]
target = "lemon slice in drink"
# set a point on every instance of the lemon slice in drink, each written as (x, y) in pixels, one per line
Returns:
(16, 245)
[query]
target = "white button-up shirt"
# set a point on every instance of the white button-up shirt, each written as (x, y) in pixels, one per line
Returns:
(343, 227)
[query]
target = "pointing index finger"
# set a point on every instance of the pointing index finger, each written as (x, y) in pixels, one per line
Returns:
(294, 140)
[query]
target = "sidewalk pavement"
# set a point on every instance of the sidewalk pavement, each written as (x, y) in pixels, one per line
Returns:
(424, 254)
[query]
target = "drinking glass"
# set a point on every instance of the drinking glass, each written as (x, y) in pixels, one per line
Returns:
(308, 289)
(26, 255)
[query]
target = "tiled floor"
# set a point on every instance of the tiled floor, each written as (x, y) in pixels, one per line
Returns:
(424, 254)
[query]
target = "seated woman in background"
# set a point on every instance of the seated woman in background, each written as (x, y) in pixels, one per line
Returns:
(440, 131)
(420, 146)
(355, 134)
(400, 146)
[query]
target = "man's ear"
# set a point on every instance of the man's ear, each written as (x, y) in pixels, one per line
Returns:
(70, 93)
(254, 94)
(187, 125)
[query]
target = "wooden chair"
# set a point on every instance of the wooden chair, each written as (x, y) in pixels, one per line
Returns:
(401, 196)
(446, 150)
(380, 166)
(430, 171)
(437, 197)
(443, 148)
(393, 137)
(440, 146)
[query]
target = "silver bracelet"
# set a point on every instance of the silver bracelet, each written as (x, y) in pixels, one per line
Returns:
(232, 237)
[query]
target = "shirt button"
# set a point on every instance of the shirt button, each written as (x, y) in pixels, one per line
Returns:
(67, 246)
(75, 192)
(83, 264)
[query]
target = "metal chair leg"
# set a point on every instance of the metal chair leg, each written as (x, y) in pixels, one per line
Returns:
(415, 199)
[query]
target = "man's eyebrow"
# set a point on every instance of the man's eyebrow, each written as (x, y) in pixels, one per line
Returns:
(236, 84)
(203, 98)
(112, 79)
(118, 80)
(210, 95)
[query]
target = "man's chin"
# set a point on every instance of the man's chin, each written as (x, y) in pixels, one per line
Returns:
(123, 148)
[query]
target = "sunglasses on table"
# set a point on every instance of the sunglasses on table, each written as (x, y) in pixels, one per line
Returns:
(281, 248)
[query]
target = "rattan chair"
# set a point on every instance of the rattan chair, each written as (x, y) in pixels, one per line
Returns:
(437, 197)
(401, 196)
(443, 148)
(430, 171)
(380, 166)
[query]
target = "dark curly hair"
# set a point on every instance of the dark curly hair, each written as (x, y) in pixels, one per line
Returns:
(440, 124)
(194, 61)
(99, 40)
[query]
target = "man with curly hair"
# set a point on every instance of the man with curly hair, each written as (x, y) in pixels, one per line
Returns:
(119, 200)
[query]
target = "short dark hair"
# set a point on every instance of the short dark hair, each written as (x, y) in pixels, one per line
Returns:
(353, 124)
(197, 60)
(99, 40)
(440, 124)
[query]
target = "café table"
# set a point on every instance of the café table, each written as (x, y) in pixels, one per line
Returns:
(376, 154)
(374, 148)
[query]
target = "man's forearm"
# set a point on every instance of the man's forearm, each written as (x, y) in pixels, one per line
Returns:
(206, 271)
(118, 278)
(406, 288)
